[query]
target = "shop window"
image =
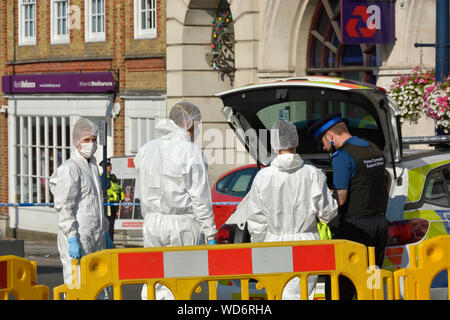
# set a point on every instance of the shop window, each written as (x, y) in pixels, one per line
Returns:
(327, 55)
(27, 22)
(141, 130)
(95, 20)
(42, 144)
(145, 19)
(141, 116)
(59, 12)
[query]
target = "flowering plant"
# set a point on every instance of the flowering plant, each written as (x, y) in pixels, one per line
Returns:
(436, 103)
(418, 93)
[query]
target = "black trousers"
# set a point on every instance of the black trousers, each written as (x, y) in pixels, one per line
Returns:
(112, 218)
(371, 232)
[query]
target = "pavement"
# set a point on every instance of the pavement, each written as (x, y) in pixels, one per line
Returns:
(49, 267)
(41, 249)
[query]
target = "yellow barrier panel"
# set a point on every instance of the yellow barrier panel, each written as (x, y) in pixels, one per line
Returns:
(18, 277)
(272, 265)
(433, 258)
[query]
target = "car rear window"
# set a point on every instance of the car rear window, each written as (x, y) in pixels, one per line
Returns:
(257, 110)
(303, 113)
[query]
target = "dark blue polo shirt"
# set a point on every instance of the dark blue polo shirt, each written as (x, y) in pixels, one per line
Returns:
(344, 166)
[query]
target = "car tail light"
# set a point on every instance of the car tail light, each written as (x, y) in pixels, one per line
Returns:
(223, 235)
(407, 231)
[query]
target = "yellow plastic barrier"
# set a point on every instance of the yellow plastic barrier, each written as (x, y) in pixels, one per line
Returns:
(433, 257)
(18, 277)
(273, 264)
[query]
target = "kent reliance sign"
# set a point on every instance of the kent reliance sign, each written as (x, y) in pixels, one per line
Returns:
(96, 82)
(367, 21)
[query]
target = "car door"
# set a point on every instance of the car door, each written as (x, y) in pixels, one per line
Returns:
(434, 209)
(232, 188)
(435, 202)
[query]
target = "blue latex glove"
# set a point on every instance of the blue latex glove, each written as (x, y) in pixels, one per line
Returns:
(74, 248)
(214, 241)
(109, 242)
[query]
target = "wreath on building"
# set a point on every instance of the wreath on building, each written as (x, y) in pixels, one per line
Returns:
(418, 93)
(221, 57)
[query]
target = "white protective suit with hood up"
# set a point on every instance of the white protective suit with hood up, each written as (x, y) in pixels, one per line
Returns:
(77, 196)
(285, 203)
(174, 191)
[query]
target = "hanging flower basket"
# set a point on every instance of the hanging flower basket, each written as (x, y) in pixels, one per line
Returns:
(436, 103)
(418, 93)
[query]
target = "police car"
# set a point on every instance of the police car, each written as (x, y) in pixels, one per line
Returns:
(418, 181)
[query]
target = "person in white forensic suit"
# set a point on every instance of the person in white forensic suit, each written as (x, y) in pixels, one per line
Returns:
(174, 187)
(82, 226)
(288, 199)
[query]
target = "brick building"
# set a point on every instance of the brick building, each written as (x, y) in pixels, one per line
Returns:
(65, 59)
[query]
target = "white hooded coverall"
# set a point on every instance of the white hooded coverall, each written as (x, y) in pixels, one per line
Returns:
(175, 192)
(77, 196)
(285, 203)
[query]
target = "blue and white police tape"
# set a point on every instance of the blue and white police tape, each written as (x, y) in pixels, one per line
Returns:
(26, 204)
(225, 203)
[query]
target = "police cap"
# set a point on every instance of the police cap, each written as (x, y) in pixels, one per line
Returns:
(318, 128)
(108, 162)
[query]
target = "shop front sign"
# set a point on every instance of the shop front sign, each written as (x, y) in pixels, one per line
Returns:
(367, 21)
(95, 82)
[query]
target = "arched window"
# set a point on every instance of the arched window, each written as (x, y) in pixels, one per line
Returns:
(327, 55)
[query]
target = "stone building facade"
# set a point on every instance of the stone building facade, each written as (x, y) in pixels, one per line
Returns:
(285, 38)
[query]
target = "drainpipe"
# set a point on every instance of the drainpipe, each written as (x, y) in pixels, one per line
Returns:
(442, 43)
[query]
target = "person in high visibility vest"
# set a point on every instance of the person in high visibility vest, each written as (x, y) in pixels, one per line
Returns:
(114, 193)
